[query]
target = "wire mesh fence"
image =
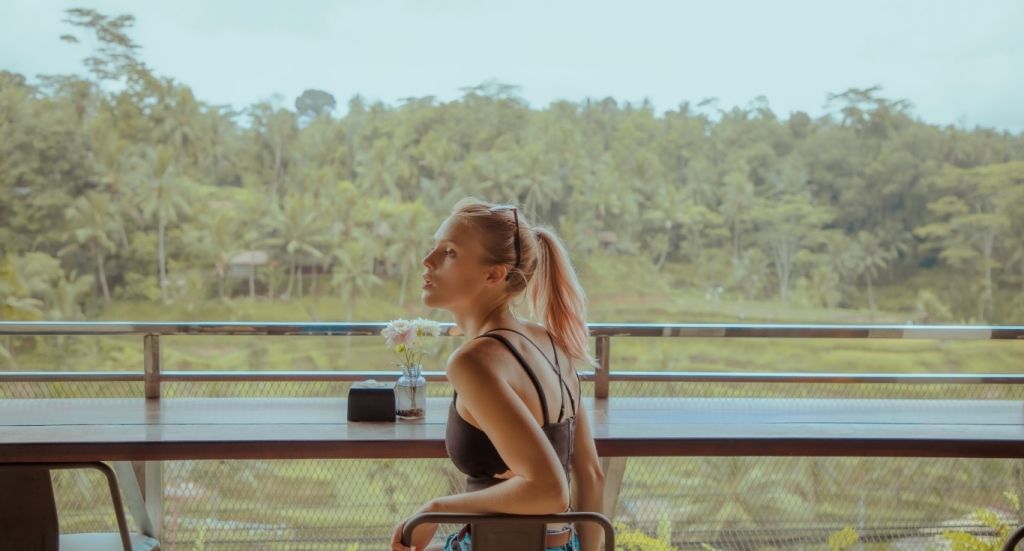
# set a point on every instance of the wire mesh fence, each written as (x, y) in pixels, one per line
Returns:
(650, 389)
(726, 503)
(723, 502)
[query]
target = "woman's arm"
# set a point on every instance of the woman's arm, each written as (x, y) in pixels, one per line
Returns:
(587, 482)
(538, 484)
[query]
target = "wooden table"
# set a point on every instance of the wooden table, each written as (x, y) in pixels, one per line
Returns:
(36, 430)
(148, 432)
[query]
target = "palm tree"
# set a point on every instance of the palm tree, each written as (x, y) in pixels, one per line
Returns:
(350, 275)
(823, 287)
(667, 210)
(160, 191)
(412, 224)
(180, 115)
(541, 184)
(345, 207)
(299, 231)
(868, 257)
(839, 259)
(217, 241)
(895, 241)
(438, 164)
(65, 299)
(384, 171)
(700, 181)
(605, 194)
(22, 280)
(840, 255)
(496, 174)
(217, 136)
(276, 130)
(114, 159)
(97, 219)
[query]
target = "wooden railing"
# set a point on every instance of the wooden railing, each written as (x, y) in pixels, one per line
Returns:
(153, 376)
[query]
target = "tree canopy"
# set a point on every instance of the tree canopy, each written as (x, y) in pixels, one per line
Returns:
(126, 175)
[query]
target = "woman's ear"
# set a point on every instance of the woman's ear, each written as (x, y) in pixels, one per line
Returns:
(496, 275)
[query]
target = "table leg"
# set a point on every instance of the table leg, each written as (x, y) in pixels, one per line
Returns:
(155, 497)
(613, 468)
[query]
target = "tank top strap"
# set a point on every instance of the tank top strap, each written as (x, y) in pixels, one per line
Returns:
(563, 386)
(561, 381)
(529, 371)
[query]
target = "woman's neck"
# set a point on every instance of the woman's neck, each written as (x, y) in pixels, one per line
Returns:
(476, 322)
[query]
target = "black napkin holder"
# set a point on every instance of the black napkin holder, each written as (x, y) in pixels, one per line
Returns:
(370, 401)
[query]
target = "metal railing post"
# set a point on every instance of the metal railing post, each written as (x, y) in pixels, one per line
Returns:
(151, 357)
(604, 344)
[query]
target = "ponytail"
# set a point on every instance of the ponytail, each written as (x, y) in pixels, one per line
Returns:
(538, 264)
(556, 299)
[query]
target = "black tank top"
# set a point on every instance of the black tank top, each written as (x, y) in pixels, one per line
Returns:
(472, 451)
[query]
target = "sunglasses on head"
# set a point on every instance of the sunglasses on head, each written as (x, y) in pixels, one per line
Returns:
(515, 236)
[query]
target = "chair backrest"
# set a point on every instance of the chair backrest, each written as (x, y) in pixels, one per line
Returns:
(510, 532)
(499, 536)
(28, 510)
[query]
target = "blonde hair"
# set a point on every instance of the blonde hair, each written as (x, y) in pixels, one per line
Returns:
(542, 269)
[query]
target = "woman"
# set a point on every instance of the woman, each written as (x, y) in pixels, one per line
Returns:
(516, 426)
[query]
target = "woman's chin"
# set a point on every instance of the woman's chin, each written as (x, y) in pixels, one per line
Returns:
(428, 299)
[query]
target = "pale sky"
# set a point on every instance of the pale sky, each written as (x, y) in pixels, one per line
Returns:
(957, 61)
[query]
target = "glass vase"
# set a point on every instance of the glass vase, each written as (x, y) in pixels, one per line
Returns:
(411, 393)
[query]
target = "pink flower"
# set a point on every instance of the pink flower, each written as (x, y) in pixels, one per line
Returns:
(399, 332)
(406, 337)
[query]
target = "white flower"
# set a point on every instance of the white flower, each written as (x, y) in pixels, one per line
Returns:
(427, 328)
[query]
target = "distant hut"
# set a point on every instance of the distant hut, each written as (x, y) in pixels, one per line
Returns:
(244, 263)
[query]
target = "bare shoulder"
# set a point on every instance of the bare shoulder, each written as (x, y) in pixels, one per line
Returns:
(476, 357)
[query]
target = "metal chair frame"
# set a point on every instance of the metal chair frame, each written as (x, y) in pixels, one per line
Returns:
(497, 532)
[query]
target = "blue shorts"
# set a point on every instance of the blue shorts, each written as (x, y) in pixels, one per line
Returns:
(455, 543)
